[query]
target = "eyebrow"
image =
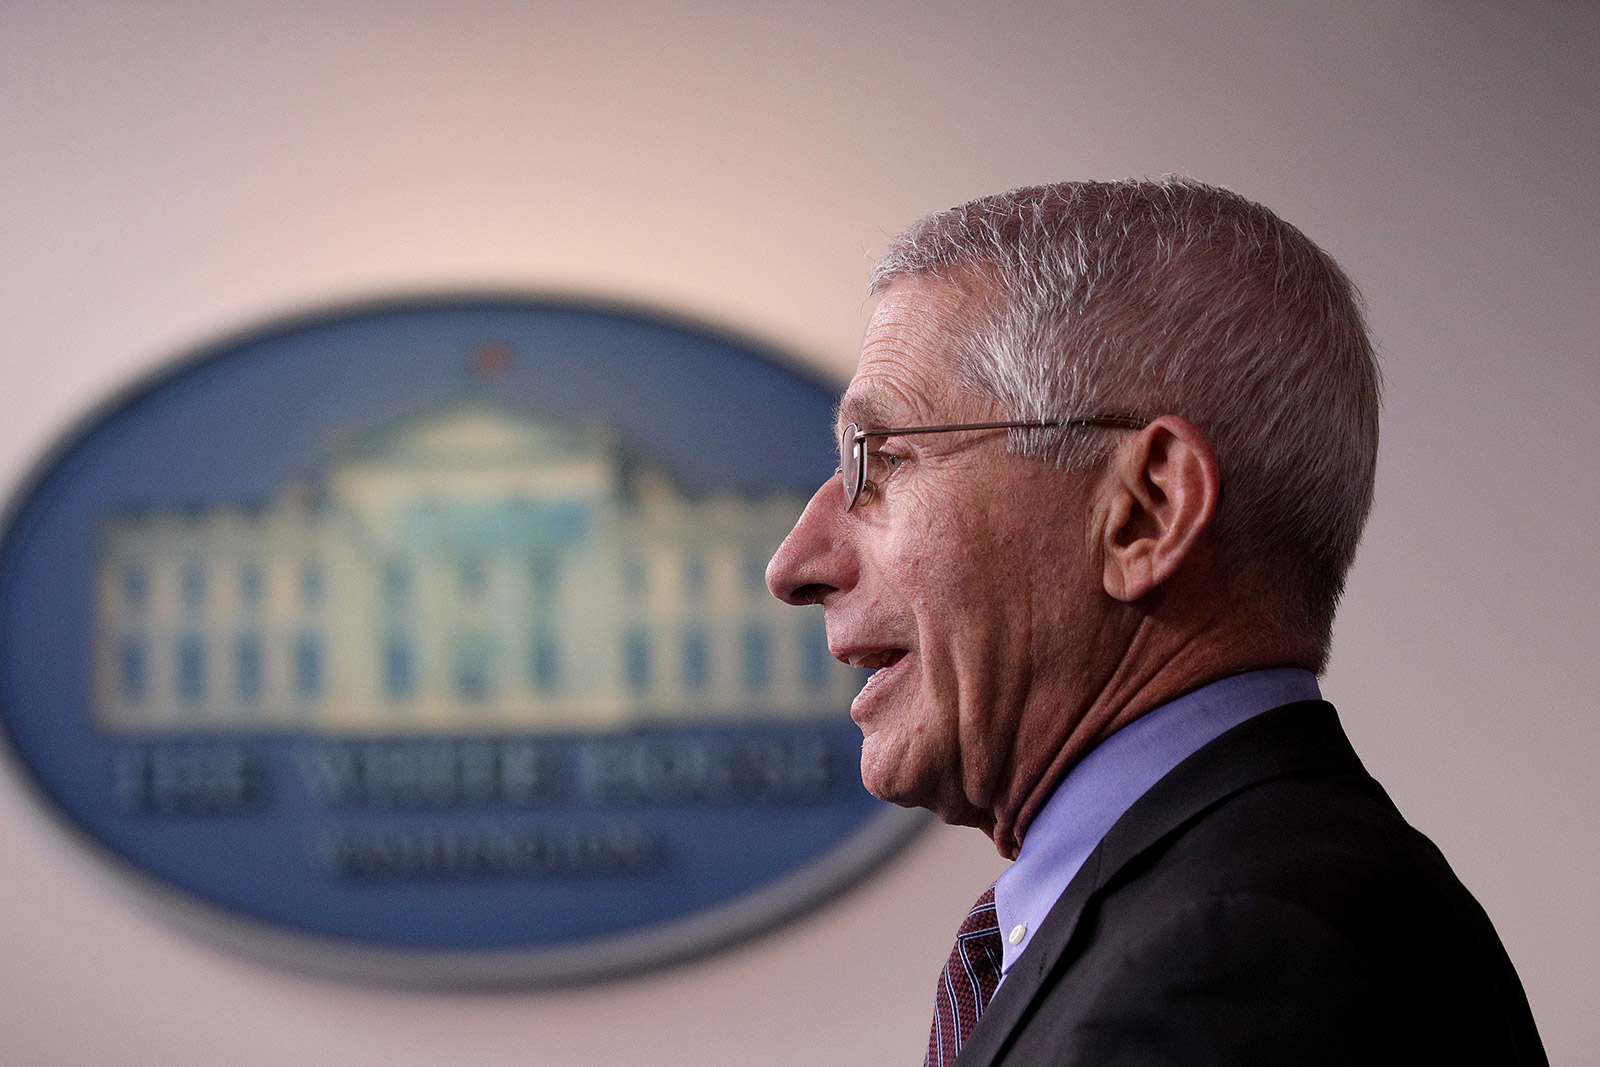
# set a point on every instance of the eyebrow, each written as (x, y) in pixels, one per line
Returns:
(864, 411)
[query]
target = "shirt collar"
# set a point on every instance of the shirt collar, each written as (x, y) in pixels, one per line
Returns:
(1094, 794)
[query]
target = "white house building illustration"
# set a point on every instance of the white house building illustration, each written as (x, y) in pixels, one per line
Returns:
(470, 568)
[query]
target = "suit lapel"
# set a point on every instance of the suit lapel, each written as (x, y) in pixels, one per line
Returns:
(1294, 739)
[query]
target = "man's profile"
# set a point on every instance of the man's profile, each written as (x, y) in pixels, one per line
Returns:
(1104, 464)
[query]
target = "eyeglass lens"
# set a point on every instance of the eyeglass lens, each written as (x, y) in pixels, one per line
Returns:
(850, 464)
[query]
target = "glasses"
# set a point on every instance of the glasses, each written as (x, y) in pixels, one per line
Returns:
(853, 453)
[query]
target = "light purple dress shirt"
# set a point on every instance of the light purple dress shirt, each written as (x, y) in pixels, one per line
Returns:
(1117, 772)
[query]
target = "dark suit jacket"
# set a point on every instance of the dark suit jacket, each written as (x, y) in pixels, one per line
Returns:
(1264, 903)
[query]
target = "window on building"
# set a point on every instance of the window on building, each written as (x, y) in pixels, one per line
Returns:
(635, 579)
(636, 658)
(247, 666)
(542, 575)
(545, 664)
(133, 666)
(757, 656)
(694, 575)
(135, 588)
(816, 661)
(396, 586)
(696, 658)
(250, 586)
(191, 667)
(399, 666)
(311, 585)
(472, 664)
(192, 586)
(308, 665)
(755, 569)
(474, 574)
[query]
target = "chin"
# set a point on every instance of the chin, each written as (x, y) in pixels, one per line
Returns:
(882, 774)
(875, 784)
(894, 781)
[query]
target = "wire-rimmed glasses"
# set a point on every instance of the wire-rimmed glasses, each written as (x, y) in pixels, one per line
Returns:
(853, 453)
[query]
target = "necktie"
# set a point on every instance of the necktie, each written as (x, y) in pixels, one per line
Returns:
(968, 981)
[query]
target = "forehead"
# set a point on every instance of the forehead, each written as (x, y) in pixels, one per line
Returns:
(906, 374)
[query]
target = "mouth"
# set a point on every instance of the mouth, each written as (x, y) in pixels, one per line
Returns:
(884, 663)
(873, 661)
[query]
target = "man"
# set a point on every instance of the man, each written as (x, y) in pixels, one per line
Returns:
(1103, 468)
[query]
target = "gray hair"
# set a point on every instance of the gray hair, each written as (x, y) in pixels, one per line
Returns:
(1175, 297)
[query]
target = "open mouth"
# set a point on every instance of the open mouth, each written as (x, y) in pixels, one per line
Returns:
(875, 661)
(883, 664)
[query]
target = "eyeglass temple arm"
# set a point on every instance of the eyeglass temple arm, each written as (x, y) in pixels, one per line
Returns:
(1127, 422)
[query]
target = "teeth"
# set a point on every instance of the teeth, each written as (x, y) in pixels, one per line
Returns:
(873, 660)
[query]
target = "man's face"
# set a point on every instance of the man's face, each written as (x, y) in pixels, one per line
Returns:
(964, 577)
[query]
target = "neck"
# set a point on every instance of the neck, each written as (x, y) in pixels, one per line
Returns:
(1158, 662)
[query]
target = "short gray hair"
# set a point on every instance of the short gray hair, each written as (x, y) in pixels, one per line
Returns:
(1176, 297)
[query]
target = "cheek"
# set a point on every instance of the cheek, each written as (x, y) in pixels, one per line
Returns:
(963, 583)
(940, 555)
(970, 614)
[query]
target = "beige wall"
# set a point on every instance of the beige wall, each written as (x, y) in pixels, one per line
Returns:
(170, 171)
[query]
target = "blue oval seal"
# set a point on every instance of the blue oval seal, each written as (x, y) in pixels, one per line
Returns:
(427, 643)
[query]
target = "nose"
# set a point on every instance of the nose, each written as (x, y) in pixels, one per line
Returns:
(815, 560)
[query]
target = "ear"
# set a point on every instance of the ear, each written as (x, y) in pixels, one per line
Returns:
(1158, 496)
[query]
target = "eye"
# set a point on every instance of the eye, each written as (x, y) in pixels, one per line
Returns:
(881, 463)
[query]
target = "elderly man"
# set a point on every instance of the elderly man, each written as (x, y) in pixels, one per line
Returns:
(1103, 468)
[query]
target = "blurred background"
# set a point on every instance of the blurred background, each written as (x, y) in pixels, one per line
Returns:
(171, 172)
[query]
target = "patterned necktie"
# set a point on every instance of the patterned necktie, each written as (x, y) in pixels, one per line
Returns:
(969, 980)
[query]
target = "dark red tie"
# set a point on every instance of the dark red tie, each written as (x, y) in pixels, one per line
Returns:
(969, 980)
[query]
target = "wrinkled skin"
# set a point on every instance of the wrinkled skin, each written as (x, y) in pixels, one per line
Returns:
(969, 577)
(1017, 614)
